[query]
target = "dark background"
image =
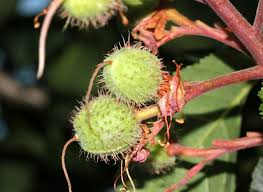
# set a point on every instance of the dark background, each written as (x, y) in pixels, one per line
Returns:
(35, 115)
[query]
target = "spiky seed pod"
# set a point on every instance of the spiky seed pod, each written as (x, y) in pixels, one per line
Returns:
(82, 13)
(159, 161)
(106, 128)
(134, 74)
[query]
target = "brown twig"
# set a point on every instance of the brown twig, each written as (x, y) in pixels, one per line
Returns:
(219, 148)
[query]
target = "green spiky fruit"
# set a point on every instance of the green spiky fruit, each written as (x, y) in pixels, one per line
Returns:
(106, 128)
(85, 12)
(134, 74)
(159, 161)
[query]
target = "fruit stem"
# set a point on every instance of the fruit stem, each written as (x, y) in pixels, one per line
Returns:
(94, 75)
(73, 139)
(55, 4)
(147, 113)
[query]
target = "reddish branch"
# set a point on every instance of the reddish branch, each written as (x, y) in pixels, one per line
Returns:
(218, 149)
(195, 89)
(258, 22)
(152, 32)
(239, 26)
(177, 92)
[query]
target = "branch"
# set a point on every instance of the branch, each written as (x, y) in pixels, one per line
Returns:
(195, 89)
(219, 148)
(188, 27)
(239, 26)
(152, 32)
(258, 22)
(202, 29)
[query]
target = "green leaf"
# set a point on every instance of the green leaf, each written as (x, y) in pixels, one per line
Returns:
(257, 177)
(215, 115)
(260, 94)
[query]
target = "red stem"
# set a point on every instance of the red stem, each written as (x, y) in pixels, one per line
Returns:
(189, 175)
(239, 143)
(239, 26)
(221, 148)
(177, 149)
(258, 22)
(193, 90)
(206, 32)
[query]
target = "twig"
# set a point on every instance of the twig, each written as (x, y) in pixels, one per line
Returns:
(258, 22)
(220, 148)
(188, 27)
(152, 32)
(239, 26)
(194, 89)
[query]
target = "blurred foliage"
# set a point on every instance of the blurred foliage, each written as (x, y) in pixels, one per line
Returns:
(7, 10)
(31, 138)
(260, 94)
(257, 177)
